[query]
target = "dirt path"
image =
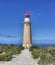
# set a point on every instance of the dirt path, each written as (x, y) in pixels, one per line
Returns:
(25, 58)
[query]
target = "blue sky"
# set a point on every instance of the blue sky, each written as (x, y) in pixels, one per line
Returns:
(12, 15)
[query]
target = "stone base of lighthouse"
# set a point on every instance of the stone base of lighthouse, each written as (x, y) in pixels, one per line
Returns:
(27, 46)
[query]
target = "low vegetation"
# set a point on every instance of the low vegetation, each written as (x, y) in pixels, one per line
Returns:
(5, 56)
(46, 54)
(6, 51)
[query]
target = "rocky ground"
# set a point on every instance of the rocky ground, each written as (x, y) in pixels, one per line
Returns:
(25, 58)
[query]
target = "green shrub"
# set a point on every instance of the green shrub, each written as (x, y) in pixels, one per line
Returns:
(5, 57)
(31, 48)
(8, 56)
(35, 55)
(21, 48)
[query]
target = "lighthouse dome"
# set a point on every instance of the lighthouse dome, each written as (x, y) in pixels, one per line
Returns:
(27, 14)
(27, 17)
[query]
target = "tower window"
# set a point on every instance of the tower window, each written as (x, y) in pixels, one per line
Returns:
(26, 24)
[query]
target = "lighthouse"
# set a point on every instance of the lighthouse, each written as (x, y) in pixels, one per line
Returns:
(27, 36)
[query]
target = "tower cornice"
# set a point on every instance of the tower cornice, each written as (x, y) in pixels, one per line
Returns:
(27, 22)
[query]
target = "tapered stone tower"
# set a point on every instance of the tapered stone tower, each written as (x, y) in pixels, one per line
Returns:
(27, 36)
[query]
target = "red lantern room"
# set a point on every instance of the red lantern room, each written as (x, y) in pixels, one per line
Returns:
(27, 14)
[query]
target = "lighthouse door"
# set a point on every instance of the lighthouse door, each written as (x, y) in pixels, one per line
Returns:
(27, 46)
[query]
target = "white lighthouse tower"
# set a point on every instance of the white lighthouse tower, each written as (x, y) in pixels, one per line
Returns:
(27, 37)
